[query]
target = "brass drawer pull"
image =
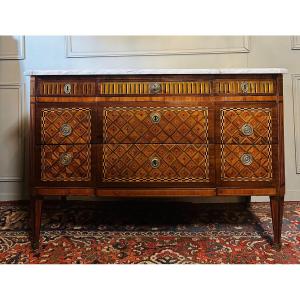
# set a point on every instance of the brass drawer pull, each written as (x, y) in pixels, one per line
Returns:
(67, 88)
(65, 159)
(244, 87)
(155, 87)
(155, 162)
(247, 129)
(66, 129)
(247, 159)
(155, 117)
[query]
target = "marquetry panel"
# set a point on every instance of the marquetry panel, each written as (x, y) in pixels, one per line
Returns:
(246, 125)
(155, 163)
(66, 88)
(155, 125)
(244, 87)
(161, 88)
(66, 163)
(65, 125)
(246, 163)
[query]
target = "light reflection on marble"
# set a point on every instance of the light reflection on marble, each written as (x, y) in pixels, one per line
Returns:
(158, 71)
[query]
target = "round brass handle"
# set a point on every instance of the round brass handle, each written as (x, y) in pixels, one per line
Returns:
(247, 129)
(65, 159)
(155, 162)
(155, 117)
(155, 88)
(244, 87)
(246, 159)
(65, 129)
(67, 88)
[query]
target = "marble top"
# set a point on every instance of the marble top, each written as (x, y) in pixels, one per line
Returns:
(158, 71)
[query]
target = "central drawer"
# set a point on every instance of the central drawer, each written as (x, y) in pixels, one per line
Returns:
(172, 125)
(155, 163)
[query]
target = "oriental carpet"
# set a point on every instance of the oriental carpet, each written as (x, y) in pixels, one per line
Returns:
(148, 232)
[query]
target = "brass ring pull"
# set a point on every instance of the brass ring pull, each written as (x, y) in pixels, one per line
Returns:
(67, 88)
(155, 117)
(155, 162)
(247, 159)
(66, 129)
(65, 159)
(247, 129)
(244, 87)
(155, 87)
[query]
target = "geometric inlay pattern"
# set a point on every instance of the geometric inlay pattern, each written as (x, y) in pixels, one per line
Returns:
(181, 125)
(165, 88)
(177, 163)
(233, 169)
(77, 120)
(233, 120)
(78, 168)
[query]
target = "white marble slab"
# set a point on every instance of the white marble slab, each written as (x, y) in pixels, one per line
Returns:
(158, 71)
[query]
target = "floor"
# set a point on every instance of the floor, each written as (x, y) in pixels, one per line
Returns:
(148, 232)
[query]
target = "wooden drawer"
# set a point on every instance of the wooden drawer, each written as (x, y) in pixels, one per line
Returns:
(248, 163)
(65, 163)
(245, 87)
(247, 124)
(48, 87)
(117, 88)
(65, 125)
(155, 163)
(155, 125)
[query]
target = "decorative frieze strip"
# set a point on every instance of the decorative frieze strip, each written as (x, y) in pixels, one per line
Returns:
(161, 88)
(66, 88)
(244, 87)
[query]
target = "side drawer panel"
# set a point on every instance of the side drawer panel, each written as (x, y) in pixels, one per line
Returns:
(65, 124)
(246, 123)
(65, 165)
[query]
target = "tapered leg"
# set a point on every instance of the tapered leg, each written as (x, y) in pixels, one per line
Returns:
(36, 221)
(276, 203)
(247, 201)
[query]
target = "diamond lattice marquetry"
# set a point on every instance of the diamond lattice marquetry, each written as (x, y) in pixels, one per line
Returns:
(258, 121)
(135, 163)
(259, 168)
(76, 120)
(66, 163)
(174, 125)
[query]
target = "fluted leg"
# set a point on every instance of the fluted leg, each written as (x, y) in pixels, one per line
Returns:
(276, 203)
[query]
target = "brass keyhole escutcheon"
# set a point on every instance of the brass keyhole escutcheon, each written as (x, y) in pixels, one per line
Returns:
(247, 159)
(155, 117)
(66, 129)
(155, 162)
(244, 87)
(67, 88)
(247, 129)
(65, 159)
(155, 88)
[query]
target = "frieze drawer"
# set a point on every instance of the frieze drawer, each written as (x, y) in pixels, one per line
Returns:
(66, 88)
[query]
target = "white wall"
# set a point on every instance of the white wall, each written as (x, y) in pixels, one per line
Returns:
(18, 54)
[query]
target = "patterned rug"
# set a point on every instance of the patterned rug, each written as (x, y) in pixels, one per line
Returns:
(152, 232)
